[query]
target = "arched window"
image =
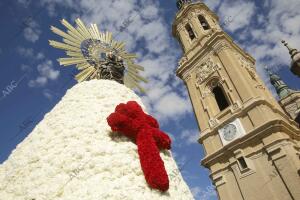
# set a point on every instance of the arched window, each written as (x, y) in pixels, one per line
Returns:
(203, 22)
(190, 31)
(220, 98)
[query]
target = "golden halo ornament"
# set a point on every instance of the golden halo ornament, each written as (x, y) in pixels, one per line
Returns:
(96, 55)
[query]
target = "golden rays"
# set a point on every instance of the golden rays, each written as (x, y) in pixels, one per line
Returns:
(87, 48)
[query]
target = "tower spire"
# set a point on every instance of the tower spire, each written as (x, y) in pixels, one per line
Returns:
(281, 88)
(180, 3)
(295, 55)
(235, 111)
(292, 51)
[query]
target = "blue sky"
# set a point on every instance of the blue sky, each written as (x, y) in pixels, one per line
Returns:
(32, 82)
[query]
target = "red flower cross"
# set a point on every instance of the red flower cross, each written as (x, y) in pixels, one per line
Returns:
(130, 120)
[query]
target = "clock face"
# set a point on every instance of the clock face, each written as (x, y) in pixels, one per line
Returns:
(229, 132)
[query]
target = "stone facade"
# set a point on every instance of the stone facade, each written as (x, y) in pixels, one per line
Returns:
(291, 104)
(228, 98)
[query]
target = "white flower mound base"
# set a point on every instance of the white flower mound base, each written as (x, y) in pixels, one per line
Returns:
(72, 154)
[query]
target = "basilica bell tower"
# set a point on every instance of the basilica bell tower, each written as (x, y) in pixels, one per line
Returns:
(251, 145)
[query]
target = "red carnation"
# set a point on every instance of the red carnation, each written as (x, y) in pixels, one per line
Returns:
(130, 120)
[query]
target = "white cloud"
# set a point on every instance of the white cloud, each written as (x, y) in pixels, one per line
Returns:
(51, 5)
(32, 30)
(150, 12)
(25, 52)
(25, 67)
(29, 53)
(40, 56)
(38, 82)
(147, 34)
(204, 194)
(261, 38)
(47, 93)
(184, 164)
(212, 4)
(181, 161)
(46, 70)
(238, 14)
(190, 136)
(172, 106)
(154, 35)
(196, 191)
(280, 22)
(46, 73)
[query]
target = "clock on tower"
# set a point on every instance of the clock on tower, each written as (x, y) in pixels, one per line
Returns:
(246, 135)
(231, 131)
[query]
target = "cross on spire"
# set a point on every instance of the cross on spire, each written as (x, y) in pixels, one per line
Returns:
(292, 51)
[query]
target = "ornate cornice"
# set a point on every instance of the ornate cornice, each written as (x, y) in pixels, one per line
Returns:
(218, 42)
(185, 62)
(187, 77)
(275, 151)
(264, 130)
(248, 66)
(236, 106)
(213, 122)
(221, 46)
(246, 107)
(180, 27)
(260, 86)
(218, 179)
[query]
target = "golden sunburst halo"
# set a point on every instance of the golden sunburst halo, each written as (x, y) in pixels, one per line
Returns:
(87, 48)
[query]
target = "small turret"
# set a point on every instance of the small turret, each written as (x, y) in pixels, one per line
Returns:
(281, 88)
(289, 99)
(295, 55)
